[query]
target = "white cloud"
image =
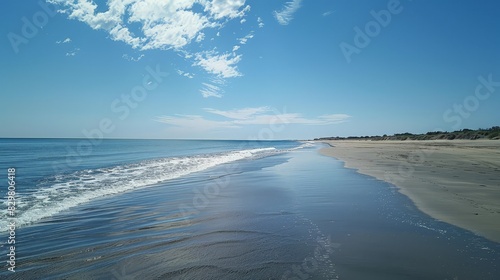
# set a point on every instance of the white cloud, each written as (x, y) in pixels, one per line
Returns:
(200, 37)
(214, 88)
(73, 52)
(120, 33)
(293, 118)
(225, 8)
(131, 58)
(210, 90)
(65, 41)
(243, 21)
(168, 27)
(164, 24)
(237, 118)
(194, 123)
(261, 22)
(218, 81)
(186, 55)
(167, 24)
(185, 74)
(239, 114)
(222, 65)
(325, 14)
(246, 38)
(286, 14)
(320, 120)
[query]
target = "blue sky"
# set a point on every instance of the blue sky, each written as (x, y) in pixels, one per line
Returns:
(235, 69)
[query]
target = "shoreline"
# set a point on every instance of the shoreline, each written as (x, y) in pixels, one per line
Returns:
(456, 181)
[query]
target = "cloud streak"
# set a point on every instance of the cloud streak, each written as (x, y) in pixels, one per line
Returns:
(211, 90)
(245, 39)
(325, 14)
(131, 58)
(239, 114)
(285, 16)
(194, 123)
(65, 41)
(238, 118)
(73, 52)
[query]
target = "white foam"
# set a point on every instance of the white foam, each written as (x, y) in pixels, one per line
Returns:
(306, 144)
(69, 190)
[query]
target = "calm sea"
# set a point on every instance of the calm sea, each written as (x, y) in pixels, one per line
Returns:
(177, 209)
(54, 175)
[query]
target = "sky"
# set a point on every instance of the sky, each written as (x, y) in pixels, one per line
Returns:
(236, 69)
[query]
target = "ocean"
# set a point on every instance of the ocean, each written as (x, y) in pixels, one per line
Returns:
(195, 209)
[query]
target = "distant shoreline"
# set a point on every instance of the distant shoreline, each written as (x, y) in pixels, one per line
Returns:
(455, 181)
(492, 133)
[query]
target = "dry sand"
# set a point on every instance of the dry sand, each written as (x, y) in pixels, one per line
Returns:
(456, 181)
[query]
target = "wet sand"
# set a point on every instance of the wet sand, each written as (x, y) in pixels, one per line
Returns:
(457, 181)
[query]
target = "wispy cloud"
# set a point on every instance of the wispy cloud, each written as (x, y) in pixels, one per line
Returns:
(200, 37)
(65, 41)
(185, 74)
(211, 90)
(286, 14)
(325, 14)
(239, 114)
(221, 65)
(260, 22)
(73, 52)
(237, 118)
(245, 39)
(293, 118)
(194, 123)
(131, 58)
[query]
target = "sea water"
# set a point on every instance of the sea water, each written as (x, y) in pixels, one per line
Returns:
(177, 209)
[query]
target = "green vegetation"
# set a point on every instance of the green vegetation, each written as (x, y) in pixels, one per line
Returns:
(470, 134)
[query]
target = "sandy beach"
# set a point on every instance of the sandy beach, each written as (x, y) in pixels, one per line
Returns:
(457, 181)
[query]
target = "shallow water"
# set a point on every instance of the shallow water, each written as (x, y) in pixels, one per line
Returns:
(292, 214)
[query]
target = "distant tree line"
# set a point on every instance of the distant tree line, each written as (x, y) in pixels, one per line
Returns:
(470, 134)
